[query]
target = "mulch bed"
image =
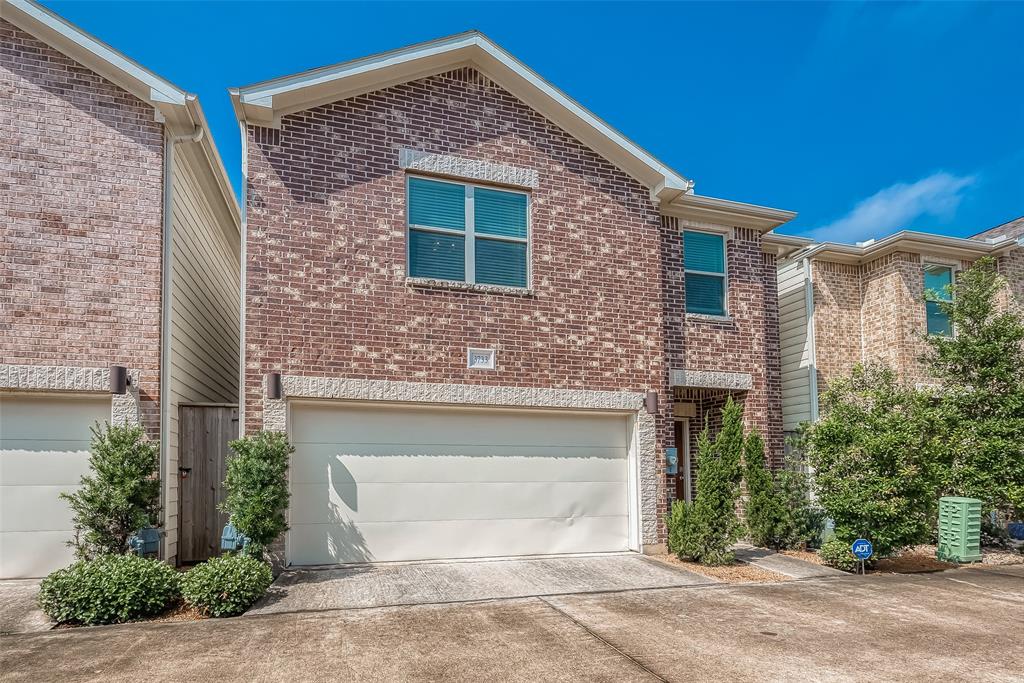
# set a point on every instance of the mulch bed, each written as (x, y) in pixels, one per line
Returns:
(178, 612)
(731, 573)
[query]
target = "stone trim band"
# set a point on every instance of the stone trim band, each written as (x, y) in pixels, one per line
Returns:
(124, 409)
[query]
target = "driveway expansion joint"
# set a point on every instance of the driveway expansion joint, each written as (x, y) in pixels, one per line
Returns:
(604, 641)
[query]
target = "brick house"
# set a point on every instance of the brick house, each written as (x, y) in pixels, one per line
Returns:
(121, 244)
(843, 304)
(483, 316)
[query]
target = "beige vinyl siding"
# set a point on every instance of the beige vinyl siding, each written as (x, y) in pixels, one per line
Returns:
(796, 346)
(205, 322)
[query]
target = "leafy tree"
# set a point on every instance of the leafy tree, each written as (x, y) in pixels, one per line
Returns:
(710, 525)
(764, 511)
(981, 370)
(257, 488)
(801, 522)
(120, 496)
(876, 454)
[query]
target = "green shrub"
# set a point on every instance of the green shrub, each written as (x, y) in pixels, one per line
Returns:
(764, 513)
(836, 553)
(875, 453)
(108, 590)
(676, 522)
(710, 524)
(120, 496)
(257, 488)
(802, 521)
(227, 585)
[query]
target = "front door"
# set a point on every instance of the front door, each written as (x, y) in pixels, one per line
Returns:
(683, 481)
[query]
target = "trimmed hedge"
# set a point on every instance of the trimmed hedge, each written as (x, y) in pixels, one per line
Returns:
(108, 590)
(226, 586)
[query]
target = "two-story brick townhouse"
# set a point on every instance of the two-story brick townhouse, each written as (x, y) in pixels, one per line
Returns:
(476, 309)
(843, 304)
(119, 246)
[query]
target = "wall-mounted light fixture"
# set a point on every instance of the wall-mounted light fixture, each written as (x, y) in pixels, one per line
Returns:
(275, 387)
(651, 402)
(119, 379)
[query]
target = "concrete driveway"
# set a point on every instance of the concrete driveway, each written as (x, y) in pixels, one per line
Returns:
(389, 585)
(957, 625)
(19, 611)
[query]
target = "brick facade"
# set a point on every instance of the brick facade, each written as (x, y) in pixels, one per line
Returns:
(326, 287)
(81, 174)
(747, 341)
(875, 312)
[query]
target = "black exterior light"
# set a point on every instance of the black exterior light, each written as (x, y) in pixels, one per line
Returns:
(119, 379)
(275, 387)
(651, 402)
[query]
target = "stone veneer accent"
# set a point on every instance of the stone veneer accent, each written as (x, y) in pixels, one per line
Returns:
(471, 169)
(275, 415)
(124, 409)
(704, 379)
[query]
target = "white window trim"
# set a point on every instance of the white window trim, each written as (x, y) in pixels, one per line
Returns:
(470, 231)
(952, 281)
(724, 274)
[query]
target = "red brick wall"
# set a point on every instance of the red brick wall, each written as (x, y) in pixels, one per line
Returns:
(326, 290)
(80, 221)
(748, 342)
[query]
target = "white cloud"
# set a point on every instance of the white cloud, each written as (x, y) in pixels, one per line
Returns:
(894, 207)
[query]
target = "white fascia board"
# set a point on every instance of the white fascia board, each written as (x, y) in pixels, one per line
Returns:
(911, 241)
(727, 212)
(264, 103)
(91, 52)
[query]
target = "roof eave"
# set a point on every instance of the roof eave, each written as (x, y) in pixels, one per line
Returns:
(910, 241)
(264, 104)
(727, 212)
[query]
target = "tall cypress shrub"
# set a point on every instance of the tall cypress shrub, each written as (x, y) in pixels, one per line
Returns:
(764, 511)
(711, 523)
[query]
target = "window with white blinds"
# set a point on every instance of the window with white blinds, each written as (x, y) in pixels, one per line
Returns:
(468, 233)
(704, 266)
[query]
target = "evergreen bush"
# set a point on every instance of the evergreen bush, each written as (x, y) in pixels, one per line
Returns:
(120, 495)
(257, 488)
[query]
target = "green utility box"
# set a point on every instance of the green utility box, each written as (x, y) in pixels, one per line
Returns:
(959, 529)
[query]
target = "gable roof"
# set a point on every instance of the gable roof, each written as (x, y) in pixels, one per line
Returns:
(177, 109)
(263, 104)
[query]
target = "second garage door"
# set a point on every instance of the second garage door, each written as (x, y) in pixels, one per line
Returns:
(44, 451)
(381, 483)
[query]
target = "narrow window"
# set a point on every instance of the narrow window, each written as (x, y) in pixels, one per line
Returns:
(938, 281)
(704, 265)
(468, 233)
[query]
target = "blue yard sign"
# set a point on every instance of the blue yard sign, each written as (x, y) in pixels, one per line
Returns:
(862, 549)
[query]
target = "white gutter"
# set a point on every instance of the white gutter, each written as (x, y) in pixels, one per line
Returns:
(166, 295)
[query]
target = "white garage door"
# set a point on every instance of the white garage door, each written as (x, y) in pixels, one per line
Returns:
(382, 483)
(44, 445)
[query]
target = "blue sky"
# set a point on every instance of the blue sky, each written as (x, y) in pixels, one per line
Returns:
(864, 118)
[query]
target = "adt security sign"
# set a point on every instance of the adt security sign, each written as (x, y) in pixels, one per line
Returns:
(862, 549)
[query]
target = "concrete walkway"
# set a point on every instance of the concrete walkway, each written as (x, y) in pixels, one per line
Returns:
(383, 585)
(792, 567)
(957, 625)
(19, 612)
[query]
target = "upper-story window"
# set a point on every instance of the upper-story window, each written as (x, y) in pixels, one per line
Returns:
(704, 265)
(468, 233)
(937, 283)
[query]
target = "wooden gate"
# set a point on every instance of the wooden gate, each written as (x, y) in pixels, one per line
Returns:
(204, 433)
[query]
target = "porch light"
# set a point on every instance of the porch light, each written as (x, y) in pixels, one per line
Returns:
(275, 387)
(651, 402)
(119, 379)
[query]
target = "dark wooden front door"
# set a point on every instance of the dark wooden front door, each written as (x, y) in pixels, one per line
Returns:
(204, 433)
(682, 434)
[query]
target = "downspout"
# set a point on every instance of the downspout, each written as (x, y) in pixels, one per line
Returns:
(167, 271)
(811, 342)
(242, 278)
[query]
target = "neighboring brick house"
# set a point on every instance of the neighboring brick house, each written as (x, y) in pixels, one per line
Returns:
(843, 304)
(466, 303)
(120, 246)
